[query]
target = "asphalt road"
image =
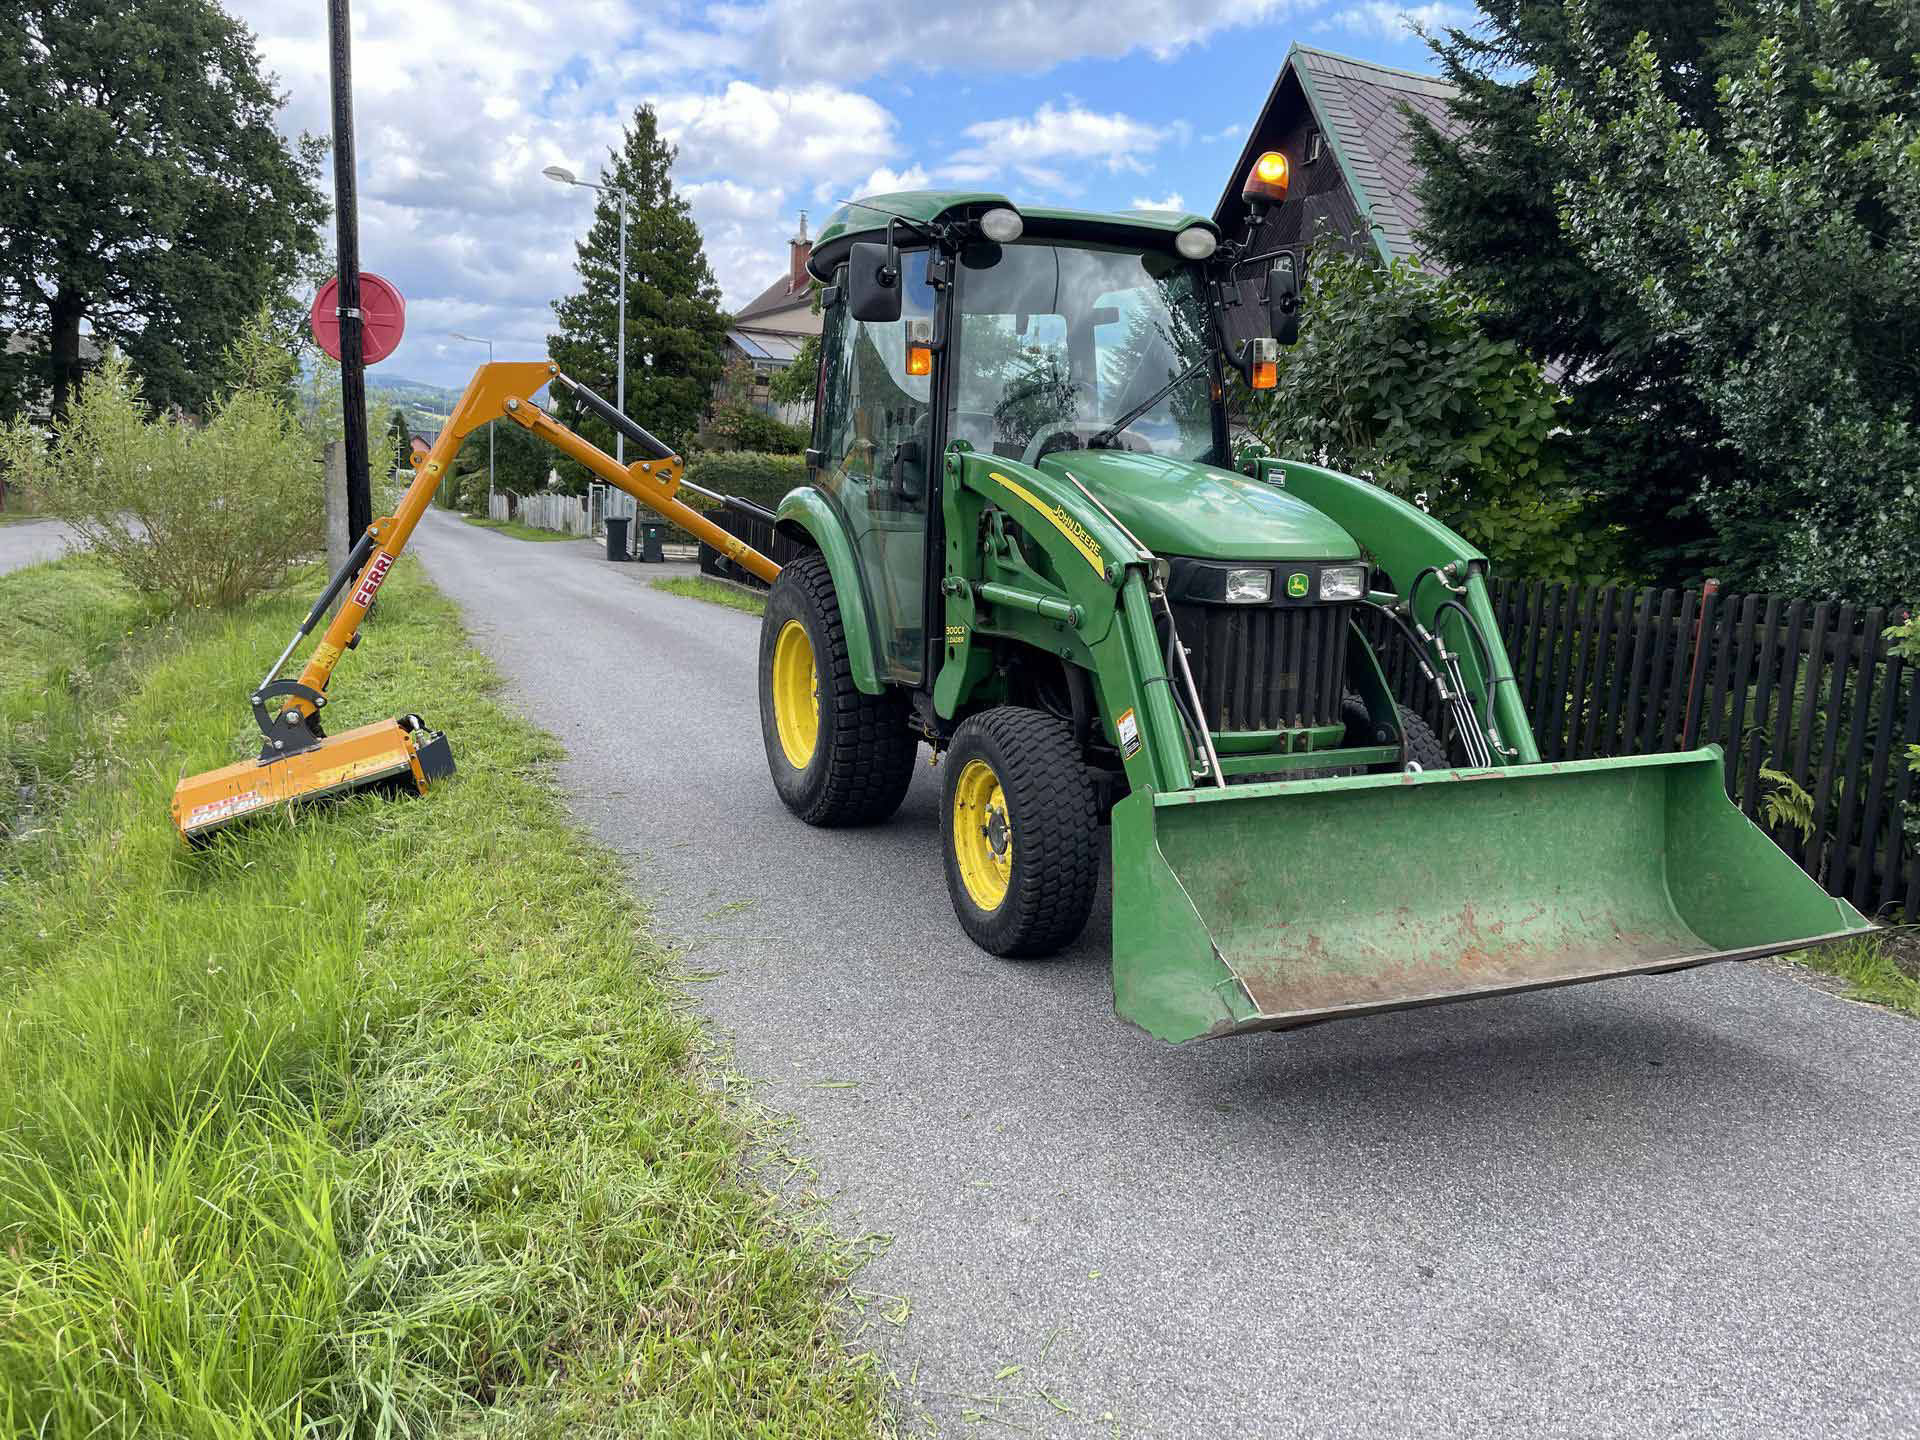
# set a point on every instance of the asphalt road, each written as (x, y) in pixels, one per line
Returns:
(30, 542)
(1665, 1206)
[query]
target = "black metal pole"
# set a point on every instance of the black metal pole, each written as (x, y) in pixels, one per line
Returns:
(346, 217)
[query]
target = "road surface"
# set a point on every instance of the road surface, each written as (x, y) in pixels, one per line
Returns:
(31, 541)
(1682, 1205)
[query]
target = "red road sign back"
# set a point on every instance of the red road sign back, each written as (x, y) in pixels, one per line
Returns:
(383, 318)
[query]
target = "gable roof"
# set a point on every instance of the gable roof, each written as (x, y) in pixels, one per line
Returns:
(774, 299)
(1362, 113)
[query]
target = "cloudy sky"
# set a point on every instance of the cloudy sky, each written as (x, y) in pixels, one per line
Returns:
(776, 106)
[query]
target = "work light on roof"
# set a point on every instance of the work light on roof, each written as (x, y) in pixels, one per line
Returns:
(1196, 242)
(1267, 180)
(1001, 225)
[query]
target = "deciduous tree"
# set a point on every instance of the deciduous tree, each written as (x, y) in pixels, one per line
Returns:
(145, 192)
(1778, 248)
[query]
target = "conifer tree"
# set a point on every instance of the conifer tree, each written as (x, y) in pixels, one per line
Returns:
(675, 328)
(1643, 442)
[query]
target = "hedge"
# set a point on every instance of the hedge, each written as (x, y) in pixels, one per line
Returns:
(752, 475)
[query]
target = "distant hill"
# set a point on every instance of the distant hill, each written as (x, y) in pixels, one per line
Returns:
(425, 406)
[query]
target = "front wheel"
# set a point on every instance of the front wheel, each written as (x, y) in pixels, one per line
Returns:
(838, 756)
(1021, 832)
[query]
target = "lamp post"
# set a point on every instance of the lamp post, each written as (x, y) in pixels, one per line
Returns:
(563, 176)
(477, 340)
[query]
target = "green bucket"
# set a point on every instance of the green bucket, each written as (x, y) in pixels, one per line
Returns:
(1270, 906)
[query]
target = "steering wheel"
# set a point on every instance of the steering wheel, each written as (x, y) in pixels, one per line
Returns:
(1036, 447)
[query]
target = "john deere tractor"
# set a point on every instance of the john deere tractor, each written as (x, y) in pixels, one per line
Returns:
(1027, 545)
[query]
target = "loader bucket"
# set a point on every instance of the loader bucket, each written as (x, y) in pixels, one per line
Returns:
(1276, 905)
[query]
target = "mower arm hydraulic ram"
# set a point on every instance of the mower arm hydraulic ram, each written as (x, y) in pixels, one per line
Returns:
(297, 760)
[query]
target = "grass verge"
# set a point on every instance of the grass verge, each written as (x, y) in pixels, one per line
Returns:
(517, 530)
(379, 1118)
(715, 592)
(1873, 969)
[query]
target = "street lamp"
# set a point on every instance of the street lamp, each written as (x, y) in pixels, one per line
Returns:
(559, 174)
(477, 340)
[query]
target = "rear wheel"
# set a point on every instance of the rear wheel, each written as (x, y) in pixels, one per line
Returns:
(1020, 828)
(837, 756)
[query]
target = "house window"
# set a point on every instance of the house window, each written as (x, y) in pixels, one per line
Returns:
(1314, 146)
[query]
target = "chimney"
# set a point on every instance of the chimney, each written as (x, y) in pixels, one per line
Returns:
(799, 249)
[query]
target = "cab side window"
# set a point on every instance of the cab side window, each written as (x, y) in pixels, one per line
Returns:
(875, 439)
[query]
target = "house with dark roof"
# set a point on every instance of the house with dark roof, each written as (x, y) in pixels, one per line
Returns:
(1345, 127)
(770, 329)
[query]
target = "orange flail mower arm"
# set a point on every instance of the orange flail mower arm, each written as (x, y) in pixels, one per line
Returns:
(503, 391)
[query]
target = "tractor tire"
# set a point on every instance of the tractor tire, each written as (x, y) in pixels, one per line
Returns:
(838, 756)
(1020, 830)
(1424, 748)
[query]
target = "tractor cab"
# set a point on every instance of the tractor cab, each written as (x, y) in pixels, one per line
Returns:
(951, 320)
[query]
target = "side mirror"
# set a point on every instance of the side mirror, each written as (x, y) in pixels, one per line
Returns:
(1283, 301)
(873, 283)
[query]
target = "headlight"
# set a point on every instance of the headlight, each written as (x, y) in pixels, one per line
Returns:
(1001, 225)
(1343, 582)
(1196, 242)
(1249, 587)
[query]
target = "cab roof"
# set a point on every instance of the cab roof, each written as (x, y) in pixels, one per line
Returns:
(867, 220)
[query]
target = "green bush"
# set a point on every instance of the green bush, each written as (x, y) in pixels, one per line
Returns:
(750, 474)
(739, 427)
(202, 514)
(1395, 380)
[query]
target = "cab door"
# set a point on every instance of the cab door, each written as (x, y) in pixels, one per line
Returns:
(874, 431)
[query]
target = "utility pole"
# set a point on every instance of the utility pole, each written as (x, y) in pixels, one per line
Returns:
(346, 215)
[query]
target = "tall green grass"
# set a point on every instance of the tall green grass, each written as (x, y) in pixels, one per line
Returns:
(374, 1119)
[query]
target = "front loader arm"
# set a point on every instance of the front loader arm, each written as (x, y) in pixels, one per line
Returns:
(1405, 542)
(497, 391)
(1099, 612)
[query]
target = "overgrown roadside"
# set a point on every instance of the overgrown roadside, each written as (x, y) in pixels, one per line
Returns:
(374, 1119)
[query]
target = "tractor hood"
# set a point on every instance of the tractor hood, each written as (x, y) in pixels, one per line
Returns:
(1181, 507)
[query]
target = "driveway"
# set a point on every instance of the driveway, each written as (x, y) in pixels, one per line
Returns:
(32, 541)
(1663, 1206)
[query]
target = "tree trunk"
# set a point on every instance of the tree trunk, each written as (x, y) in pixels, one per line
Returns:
(64, 346)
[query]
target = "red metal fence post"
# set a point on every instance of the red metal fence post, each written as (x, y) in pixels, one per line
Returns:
(1690, 729)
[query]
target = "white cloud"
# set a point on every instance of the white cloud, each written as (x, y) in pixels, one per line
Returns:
(1172, 201)
(772, 135)
(1385, 20)
(1074, 134)
(857, 38)
(883, 180)
(460, 103)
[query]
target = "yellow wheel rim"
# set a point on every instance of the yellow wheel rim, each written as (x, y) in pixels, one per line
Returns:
(982, 835)
(796, 694)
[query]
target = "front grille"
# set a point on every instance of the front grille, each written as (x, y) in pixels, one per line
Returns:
(1261, 667)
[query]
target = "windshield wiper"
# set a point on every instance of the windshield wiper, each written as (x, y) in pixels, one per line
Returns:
(1106, 437)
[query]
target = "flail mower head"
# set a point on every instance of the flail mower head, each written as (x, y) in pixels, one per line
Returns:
(392, 754)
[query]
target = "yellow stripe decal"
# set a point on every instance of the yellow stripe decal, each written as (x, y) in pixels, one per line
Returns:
(1075, 532)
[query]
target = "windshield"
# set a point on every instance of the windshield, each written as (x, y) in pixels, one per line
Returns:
(1057, 342)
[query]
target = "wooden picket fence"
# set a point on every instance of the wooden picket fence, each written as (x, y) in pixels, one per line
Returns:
(1787, 688)
(544, 511)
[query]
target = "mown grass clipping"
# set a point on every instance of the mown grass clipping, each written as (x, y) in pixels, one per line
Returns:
(380, 1118)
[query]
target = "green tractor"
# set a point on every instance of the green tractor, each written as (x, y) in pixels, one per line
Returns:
(1025, 542)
